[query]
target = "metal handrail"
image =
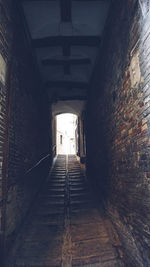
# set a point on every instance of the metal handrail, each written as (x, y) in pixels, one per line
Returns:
(38, 163)
(27, 172)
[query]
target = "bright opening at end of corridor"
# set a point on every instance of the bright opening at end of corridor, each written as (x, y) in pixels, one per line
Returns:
(66, 133)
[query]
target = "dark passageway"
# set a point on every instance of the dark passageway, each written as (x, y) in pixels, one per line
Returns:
(66, 227)
(91, 59)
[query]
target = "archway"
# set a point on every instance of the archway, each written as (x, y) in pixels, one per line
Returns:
(66, 133)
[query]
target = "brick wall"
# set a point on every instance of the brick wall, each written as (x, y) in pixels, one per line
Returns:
(5, 41)
(118, 139)
(28, 123)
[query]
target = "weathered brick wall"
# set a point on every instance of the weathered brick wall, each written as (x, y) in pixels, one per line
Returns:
(118, 144)
(29, 122)
(5, 41)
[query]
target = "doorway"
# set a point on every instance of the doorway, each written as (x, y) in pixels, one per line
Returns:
(66, 134)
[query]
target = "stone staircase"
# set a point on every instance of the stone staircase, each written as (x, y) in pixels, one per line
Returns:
(66, 228)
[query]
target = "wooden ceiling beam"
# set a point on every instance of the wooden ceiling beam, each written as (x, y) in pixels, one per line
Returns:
(69, 40)
(63, 60)
(65, 10)
(66, 49)
(66, 84)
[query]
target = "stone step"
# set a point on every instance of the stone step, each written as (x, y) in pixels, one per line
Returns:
(66, 228)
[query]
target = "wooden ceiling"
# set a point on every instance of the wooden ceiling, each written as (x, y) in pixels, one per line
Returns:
(66, 36)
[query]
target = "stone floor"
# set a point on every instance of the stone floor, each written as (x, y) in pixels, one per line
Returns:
(66, 228)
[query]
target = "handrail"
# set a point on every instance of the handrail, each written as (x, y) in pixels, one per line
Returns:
(38, 163)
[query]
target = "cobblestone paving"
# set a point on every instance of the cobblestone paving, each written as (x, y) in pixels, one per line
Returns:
(66, 228)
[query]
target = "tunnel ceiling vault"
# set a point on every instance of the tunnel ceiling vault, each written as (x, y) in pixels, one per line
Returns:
(74, 106)
(66, 35)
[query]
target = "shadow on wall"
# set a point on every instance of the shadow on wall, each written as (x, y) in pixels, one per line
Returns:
(28, 188)
(97, 165)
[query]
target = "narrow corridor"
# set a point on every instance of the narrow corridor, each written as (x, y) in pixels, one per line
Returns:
(89, 60)
(66, 228)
